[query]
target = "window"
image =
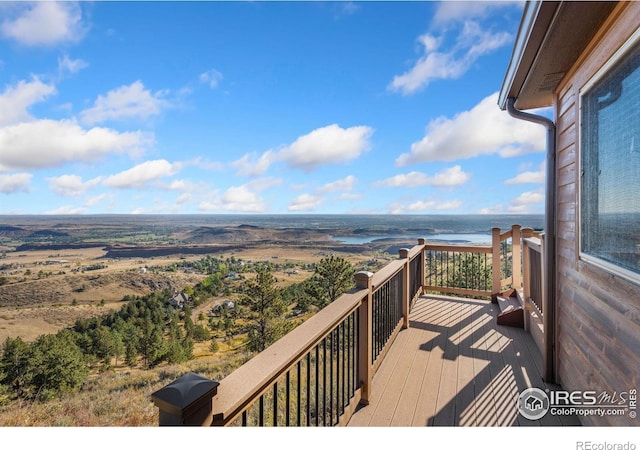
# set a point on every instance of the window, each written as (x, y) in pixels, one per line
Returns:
(610, 165)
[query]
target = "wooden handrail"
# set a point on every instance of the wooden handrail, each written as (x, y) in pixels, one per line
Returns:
(238, 389)
(387, 272)
(459, 248)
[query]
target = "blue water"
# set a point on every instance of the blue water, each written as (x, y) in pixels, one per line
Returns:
(463, 238)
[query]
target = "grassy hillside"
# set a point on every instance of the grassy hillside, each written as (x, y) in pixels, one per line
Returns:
(120, 398)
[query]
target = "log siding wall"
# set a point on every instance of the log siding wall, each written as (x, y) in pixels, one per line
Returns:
(598, 313)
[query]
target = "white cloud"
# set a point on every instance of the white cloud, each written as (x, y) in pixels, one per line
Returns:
(71, 185)
(27, 142)
(527, 198)
(403, 207)
(483, 130)
(48, 143)
(212, 78)
(250, 165)
(455, 11)
(496, 209)
(68, 65)
(92, 201)
(141, 175)
(126, 102)
(327, 145)
(67, 209)
(432, 204)
(349, 196)
(472, 43)
(184, 198)
(10, 184)
(237, 199)
(345, 184)
(181, 186)
(243, 198)
(452, 176)
(529, 177)
(309, 202)
(305, 202)
(45, 23)
(525, 203)
(15, 100)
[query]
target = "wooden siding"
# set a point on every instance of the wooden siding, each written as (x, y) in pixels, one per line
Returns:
(598, 313)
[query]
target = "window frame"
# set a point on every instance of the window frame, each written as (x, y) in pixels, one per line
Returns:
(593, 260)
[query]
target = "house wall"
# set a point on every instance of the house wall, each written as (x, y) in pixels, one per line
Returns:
(598, 314)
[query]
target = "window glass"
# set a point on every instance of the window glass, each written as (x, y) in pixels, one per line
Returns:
(610, 160)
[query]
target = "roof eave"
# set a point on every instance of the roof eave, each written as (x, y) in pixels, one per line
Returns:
(536, 18)
(551, 38)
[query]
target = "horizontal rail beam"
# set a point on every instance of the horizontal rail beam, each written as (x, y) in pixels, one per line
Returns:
(458, 248)
(458, 291)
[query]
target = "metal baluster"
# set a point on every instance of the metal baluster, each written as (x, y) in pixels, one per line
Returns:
(275, 404)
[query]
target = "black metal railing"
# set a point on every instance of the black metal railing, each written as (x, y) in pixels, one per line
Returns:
(462, 270)
(416, 271)
(317, 389)
(535, 279)
(387, 312)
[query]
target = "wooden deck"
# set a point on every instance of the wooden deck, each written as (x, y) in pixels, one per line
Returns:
(455, 367)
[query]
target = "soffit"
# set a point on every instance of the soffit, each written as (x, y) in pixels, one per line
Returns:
(551, 37)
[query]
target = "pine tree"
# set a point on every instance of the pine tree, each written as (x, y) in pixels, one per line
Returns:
(263, 299)
(332, 277)
(56, 365)
(13, 364)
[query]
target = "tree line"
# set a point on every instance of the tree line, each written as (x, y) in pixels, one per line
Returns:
(148, 331)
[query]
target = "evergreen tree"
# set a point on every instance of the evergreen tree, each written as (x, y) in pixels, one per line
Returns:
(265, 318)
(118, 345)
(151, 343)
(471, 272)
(332, 277)
(56, 365)
(13, 364)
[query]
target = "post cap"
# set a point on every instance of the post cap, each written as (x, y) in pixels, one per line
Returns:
(184, 391)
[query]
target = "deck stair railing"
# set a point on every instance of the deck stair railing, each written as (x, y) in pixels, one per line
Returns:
(533, 282)
(318, 373)
(322, 370)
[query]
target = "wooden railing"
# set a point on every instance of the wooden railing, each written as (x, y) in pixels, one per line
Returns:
(533, 281)
(317, 374)
(475, 270)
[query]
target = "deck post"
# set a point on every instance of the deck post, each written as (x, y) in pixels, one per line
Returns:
(423, 265)
(526, 277)
(516, 257)
(364, 280)
(496, 281)
(186, 401)
(406, 290)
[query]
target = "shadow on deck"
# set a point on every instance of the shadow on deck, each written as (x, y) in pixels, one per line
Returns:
(455, 367)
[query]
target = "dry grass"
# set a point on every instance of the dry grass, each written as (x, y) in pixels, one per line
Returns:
(116, 399)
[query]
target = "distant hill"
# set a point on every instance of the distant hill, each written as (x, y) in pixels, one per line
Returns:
(48, 233)
(251, 233)
(12, 232)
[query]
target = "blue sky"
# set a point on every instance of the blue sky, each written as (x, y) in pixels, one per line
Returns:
(262, 107)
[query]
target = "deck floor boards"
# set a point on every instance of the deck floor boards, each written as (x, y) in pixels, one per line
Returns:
(454, 366)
